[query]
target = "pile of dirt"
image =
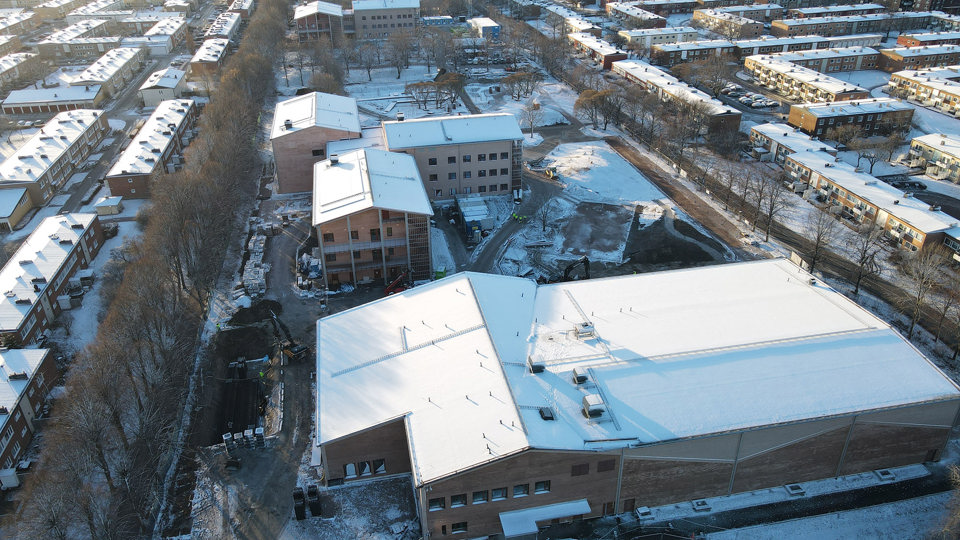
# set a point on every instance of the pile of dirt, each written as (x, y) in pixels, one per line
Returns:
(654, 246)
(256, 313)
(251, 342)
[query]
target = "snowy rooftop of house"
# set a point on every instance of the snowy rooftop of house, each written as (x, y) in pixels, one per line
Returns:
(316, 109)
(669, 355)
(9, 200)
(371, 137)
(13, 60)
(6, 38)
(944, 79)
(664, 2)
(54, 3)
(790, 137)
(854, 106)
(743, 9)
(94, 7)
(212, 50)
(15, 18)
(162, 40)
(923, 50)
(318, 7)
(241, 4)
(74, 31)
(166, 27)
(364, 179)
(941, 142)
(595, 44)
(109, 201)
(53, 95)
(669, 84)
(820, 54)
(483, 22)
(445, 130)
(47, 145)
(28, 273)
(805, 75)
(769, 41)
(696, 45)
(658, 31)
(165, 78)
(14, 362)
(884, 196)
(722, 15)
(808, 11)
(932, 36)
(157, 134)
(362, 5)
(853, 18)
(631, 10)
(107, 66)
(867, 40)
(225, 25)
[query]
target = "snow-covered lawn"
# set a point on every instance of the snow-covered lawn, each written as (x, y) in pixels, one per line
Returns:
(866, 79)
(500, 103)
(385, 93)
(594, 172)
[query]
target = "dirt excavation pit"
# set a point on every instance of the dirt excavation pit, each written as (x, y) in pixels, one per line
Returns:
(260, 311)
(654, 248)
(241, 390)
(596, 227)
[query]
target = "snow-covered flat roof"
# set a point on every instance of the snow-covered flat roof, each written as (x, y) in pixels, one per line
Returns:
(595, 44)
(107, 65)
(932, 36)
(669, 355)
(923, 50)
(446, 130)
(17, 361)
(13, 60)
(371, 137)
(853, 106)
(317, 7)
(212, 50)
(28, 273)
(94, 7)
(769, 41)
(725, 16)
(242, 4)
(749, 8)
(46, 146)
(820, 54)
(790, 137)
(363, 5)
(941, 142)
(165, 78)
(69, 94)
(9, 200)
(367, 178)
(160, 130)
(316, 109)
(895, 202)
(524, 522)
(633, 11)
(853, 18)
(669, 84)
(695, 45)
(659, 31)
(483, 22)
(827, 9)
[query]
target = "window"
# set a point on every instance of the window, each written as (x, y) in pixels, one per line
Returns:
(358, 254)
(451, 176)
(328, 237)
(466, 190)
(479, 497)
(482, 189)
(389, 231)
(493, 187)
(498, 494)
(437, 504)
(132, 191)
(438, 193)
(458, 500)
(433, 177)
(466, 158)
(492, 156)
(16, 417)
(542, 486)
(521, 490)
(504, 172)
(354, 235)
(606, 465)
(504, 155)
(481, 157)
(389, 252)
(459, 527)
(23, 432)
(453, 191)
(432, 161)
(580, 469)
(451, 159)
(481, 173)
(318, 152)
(330, 257)
(503, 187)
(364, 468)
(466, 175)
(492, 172)
(350, 470)
(374, 235)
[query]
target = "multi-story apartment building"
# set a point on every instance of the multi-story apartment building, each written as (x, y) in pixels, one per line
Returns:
(371, 214)
(668, 7)
(935, 87)
(566, 21)
(52, 10)
(113, 70)
(302, 127)
(98, 9)
(9, 44)
(800, 83)
(208, 59)
(176, 28)
(929, 38)
(155, 151)
(84, 39)
(922, 57)
(671, 54)
(378, 19)
(36, 278)
(851, 24)
(855, 40)
(51, 100)
(771, 45)
(598, 50)
(939, 154)
(26, 377)
(875, 116)
(721, 118)
(168, 83)
(757, 12)
(910, 223)
(633, 17)
(774, 142)
(16, 67)
(243, 7)
(528, 419)
(658, 36)
(45, 162)
(226, 25)
(727, 24)
(835, 11)
(318, 18)
(461, 156)
(17, 24)
(825, 60)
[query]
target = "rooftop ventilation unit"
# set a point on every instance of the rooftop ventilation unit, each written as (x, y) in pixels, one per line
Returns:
(547, 414)
(593, 406)
(288, 124)
(535, 367)
(579, 375)
(334, 159)
(585, 330)
(19, 376)
(23, 302)
(3, 410)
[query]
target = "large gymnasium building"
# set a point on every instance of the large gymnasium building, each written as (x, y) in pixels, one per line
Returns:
(512, 404)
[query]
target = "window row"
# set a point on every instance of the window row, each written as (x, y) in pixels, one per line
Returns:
(375, 255)
(364, 468)
(384, 17)
(355, 235)
(468, 190)
(581, 469)
(467, 158)
(483, 496)
(483, 173)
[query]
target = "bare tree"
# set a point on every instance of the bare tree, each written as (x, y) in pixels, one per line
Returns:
(923, 270)
(532, 114)
(398, 50)
(863, 249)
(774, 203)
(544, 216)
(823, 228)
(845, 133)
(367, 55)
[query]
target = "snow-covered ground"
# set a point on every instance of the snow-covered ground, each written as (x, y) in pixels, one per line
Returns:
(594, 172)
(500, 103)
(385, 93)
(903, 520)
(440, 252)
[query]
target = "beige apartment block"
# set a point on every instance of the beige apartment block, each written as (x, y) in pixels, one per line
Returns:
(379, 19)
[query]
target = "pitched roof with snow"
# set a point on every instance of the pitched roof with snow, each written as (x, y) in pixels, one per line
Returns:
(31, 160)
(446, 130)
(789, 137)
(38, 261)
(166, 27)
(670, 85)
(804, 75)
(317, 8)
(146, 150)
(108, 65)
(316, 109)
(85, 95)
(367, 178)
(669, 355)
(13, 60)
(674, 30)
(853, 106)
(212, 50)
(165, 78)
(13, 362)
(940, 142)
(922, 50)
(74, 31)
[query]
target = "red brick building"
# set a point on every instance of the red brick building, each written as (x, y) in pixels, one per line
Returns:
(26, 376)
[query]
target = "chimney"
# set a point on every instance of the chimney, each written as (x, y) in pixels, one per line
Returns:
(288, 124)
(334, 159)
(400, 117)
